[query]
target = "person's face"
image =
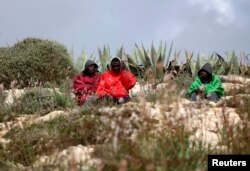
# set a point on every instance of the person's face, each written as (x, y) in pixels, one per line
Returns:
(91, 69)
(116, 66)
(203, 74)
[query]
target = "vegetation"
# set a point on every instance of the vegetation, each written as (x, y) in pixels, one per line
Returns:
(151, 149)
(51, 136)
(34, 62)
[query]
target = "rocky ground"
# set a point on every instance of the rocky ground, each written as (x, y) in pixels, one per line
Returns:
(204, 120)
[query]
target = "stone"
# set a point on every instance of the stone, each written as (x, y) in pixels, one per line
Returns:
(72, 158)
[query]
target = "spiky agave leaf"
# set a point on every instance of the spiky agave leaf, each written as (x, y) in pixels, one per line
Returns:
(189, 56)
(154, 58)
(135, 57)
(202, 58)
(139, 54)
(244, 63)
(134, 67)
(148, 61)
(167, 58)
(81, 60)
(212, 59)
(176, 59)
(187, 68)
(220, 67)
(198, 64)
(193, 67)
(160, 62)
(104, 58)
(233, 63)
(160, 54)
(120, 52)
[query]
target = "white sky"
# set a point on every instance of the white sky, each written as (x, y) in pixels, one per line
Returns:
(196, 25)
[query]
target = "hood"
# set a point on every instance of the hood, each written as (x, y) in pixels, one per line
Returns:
(88, 63)
(207, 67)
(115, 58)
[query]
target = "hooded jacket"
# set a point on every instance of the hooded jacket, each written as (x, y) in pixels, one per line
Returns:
(212, 84)
(116, 85)
(85, 85)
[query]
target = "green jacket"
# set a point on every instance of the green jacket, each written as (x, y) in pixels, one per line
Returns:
(213, 86)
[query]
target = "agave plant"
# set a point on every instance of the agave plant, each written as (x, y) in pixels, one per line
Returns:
(233, 63)
(104, 58)
(244, 64)
(81, 60)
(150, 63)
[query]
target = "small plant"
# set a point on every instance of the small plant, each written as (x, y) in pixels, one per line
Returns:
(35, 101)
(62, 95)
(46, 138)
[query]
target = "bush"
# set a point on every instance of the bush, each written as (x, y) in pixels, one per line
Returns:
(36, 100)
(35, 61)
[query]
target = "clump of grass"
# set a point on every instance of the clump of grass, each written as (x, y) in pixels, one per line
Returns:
(63, 95)
(244, 109)
(182, 82)
(164, 151)
(237, 137)
(45, 138)
(35, 101)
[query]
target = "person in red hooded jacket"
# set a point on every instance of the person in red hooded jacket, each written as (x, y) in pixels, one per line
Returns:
(85, 84)
(116, 82)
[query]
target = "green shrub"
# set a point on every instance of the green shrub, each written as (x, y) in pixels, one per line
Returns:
(63, 98)
(36, 100)
(35, 61)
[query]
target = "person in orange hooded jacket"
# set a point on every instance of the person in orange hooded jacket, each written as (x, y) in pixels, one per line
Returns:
(85, 84)
(116, 82)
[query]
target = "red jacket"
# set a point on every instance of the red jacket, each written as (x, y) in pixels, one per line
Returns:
(116, 85)
(84, 86)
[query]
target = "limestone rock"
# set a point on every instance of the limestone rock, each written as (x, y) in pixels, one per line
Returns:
(73, 158)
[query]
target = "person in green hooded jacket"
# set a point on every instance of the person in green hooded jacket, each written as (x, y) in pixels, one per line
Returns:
(206, 84)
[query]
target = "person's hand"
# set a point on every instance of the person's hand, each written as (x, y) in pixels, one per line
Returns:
(199, 91)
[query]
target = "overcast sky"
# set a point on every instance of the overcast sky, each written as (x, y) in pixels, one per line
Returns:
(196, 25)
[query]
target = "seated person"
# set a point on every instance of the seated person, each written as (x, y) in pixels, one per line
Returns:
(116, 82)
(206, 84)
(85, 84)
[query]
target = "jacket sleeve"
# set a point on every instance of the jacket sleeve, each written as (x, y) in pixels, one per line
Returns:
(96, 83)
(215, 86)
(196, 84)
(128, 80)
(101, 89)
(78, 85)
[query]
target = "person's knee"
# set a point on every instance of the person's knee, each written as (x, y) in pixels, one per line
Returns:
(193, 96)
(213, 96)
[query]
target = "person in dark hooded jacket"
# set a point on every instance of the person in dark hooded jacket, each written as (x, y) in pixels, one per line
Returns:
(86, 83)
(206, 84)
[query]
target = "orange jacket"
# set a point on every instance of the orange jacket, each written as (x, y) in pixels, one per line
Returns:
(116, 85)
